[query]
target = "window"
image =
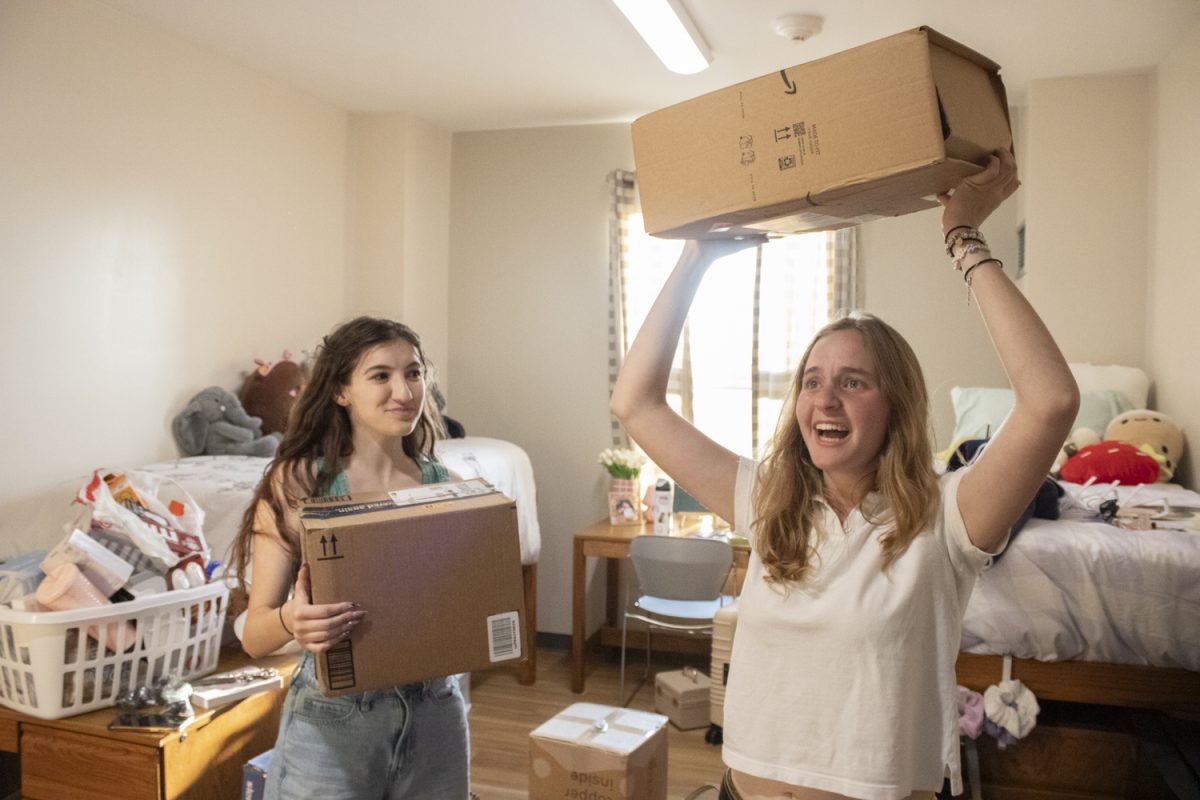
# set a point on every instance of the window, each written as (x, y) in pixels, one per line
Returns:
(748, 326)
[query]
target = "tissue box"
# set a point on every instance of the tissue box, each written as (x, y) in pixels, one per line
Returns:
(254, 776)
(595, 752)
(875, 131)
(683, 695)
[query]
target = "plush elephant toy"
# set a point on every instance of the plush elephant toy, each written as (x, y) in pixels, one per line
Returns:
(214, 423)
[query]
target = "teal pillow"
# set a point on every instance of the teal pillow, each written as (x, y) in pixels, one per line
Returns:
(976, 409)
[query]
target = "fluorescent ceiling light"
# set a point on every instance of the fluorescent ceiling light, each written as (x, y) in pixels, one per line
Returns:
(670, 33)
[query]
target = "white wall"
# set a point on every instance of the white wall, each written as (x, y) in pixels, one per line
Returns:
(398, 226)
(528, 315)
(165, 217)
(912, 285)
(1173, 323)
(1086, 203)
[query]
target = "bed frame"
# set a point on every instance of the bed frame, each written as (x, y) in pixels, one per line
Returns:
(1125, 685)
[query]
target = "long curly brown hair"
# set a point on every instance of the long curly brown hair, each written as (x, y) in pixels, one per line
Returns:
(785, 508)
(319, 436)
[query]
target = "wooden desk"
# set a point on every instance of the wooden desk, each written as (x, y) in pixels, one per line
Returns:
(601, 540)
(78, 757)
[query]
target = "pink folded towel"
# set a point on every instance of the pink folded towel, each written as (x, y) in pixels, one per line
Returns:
(970, 712)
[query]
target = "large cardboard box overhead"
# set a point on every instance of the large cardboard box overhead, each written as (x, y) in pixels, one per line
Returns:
(438, 570)
(875, 131)
(594, 752)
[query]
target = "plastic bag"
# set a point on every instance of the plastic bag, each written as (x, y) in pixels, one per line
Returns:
(154, 514)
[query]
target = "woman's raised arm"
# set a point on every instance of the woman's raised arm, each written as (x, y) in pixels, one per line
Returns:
(1001, 483)
(703, 468)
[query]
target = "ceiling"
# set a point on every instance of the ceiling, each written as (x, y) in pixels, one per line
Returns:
(491, 64)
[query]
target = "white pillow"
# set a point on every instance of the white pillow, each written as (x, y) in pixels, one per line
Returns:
(978, 411)
(1129, 381)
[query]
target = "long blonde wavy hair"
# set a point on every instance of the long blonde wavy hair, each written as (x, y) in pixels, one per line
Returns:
(785, 497)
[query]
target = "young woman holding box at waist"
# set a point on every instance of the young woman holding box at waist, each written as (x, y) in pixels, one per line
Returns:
(364, 423)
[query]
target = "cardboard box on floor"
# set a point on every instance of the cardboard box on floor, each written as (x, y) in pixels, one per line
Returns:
(683, 696)
(438, 571)
(875, 131)
(594, 752)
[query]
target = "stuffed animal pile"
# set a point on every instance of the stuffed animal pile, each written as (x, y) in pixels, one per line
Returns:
(214, 423)
(1140, 446)
(271, 388)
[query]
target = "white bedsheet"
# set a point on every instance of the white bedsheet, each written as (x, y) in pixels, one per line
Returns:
(222, 487)
(506, 466)
(1078, 588)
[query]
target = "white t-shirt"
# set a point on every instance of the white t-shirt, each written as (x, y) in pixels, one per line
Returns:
(846, 683)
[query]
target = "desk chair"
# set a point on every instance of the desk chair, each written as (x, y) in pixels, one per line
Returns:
(679, 588)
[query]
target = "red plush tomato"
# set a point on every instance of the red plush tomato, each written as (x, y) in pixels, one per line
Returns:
(1108, 462)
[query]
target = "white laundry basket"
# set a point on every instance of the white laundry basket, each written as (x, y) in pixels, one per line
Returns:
(50, 667)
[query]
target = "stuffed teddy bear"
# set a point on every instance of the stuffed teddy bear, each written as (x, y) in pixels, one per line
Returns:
(270, 390)
(1153, 433)
(214, 423)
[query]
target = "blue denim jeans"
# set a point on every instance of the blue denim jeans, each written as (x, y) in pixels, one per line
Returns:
(409, 741)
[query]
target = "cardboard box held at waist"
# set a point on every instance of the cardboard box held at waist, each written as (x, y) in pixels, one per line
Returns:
(875, 131)
(438, 571)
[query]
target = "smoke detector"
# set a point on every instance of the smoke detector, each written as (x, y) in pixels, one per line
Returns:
(797, 27)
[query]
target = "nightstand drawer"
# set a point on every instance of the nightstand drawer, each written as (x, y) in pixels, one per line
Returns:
(57, 763)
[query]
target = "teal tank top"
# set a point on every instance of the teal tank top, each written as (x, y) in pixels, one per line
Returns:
(431, 472)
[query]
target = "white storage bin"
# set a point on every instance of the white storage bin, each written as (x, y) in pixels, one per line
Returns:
(724, 626)
(50, 667)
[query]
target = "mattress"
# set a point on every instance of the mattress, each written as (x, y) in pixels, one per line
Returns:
(223, 485)
(1081, 589)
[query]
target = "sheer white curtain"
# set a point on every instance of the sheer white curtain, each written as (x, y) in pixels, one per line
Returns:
(752, 318)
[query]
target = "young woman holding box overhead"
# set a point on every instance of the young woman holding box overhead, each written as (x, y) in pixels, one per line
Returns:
(842, 678)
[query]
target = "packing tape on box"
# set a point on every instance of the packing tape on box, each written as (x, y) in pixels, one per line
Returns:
(617, 730)
(596, 752)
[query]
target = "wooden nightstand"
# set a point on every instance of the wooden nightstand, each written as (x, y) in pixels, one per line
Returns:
(78, 757)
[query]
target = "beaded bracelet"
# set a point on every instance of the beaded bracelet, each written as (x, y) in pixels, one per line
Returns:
(958, 240)
(952, 230)
(972, 247)
(283, 624)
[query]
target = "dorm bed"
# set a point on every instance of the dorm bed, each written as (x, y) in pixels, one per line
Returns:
(1083, 610)
(1090, 612)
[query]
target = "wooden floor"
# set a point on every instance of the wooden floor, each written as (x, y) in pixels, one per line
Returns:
(503, 713)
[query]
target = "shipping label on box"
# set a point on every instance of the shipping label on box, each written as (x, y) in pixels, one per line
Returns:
(436, 568)
(878, 130)
(595, 752)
